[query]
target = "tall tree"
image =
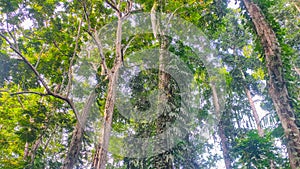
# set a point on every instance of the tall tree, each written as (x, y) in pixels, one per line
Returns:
(277, 86)
(99, 161)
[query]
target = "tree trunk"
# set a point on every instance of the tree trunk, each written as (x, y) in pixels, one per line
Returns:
(75, 145)
(99, 161)
(26, 150)
(257, 121)
(74, 148)
(221, 131)
(252, 105)
(254, 112)
(161, 160)
(277, 87)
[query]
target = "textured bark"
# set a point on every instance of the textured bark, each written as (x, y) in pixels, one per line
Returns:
(74, 148)
(34, 148)
(277, 87)
(221, 131)
(224, 146)
(99, 161)
(75, 144)
(254, 112)
(26, 150)
(162, 160)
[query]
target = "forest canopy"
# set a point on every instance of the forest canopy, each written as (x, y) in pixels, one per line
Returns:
(142, 84)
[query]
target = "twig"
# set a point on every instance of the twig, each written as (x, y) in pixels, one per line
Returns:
(127, 46)
(296, 7)
(72, 60)
(86, 15)
(297, 70)
(128, 8)
(39, 57)
(111, 4)
(172, 15)
(11, 35)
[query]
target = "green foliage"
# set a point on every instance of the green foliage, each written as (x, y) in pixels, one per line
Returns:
(254, 151)
(49, 45)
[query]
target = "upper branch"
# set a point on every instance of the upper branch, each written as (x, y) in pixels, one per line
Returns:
(28, 63)
(113, 5)
(44, 84)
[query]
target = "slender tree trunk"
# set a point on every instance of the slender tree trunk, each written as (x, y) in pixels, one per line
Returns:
(256, 118)
(26, 150)
(161, 160)
(253, 108)
(75, 145)
(99, 161)
(277, 87)
(33, 150)
(221, 131)
(254, 112)
(74, 148)
(257, 121)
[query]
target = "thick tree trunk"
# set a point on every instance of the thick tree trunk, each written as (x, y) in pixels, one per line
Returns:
(99, 161)
(277, 87)
(74, 148)
(221, 131)
(75, 145)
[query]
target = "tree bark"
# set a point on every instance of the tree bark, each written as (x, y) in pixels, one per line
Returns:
(161, 160)
(99, 161)
(254, 112)
(277, 87)
(75, 145)
(253, 108)
(26, 150)
(221, 131)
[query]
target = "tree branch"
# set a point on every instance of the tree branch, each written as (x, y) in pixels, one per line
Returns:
(86, 15)
(28, 92)
(127, 46)
(96, 39)
(28, 63)
(112, 5)
(49, 92)
(100, 49)
(10, 34)
(39, 57)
